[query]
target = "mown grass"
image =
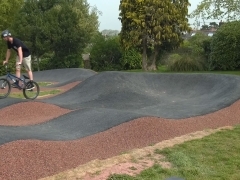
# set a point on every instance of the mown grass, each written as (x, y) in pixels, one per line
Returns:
(42, 93)
(214, 157)
(44, 84)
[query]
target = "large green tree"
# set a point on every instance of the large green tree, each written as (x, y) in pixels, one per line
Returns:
(8, 10)
(217, 9)
(31, 27)
(151, 24)
(225, 45)
(62, 27)
(106, 53)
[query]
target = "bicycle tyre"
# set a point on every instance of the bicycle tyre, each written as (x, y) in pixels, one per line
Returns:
(5, 85)
(34, 94)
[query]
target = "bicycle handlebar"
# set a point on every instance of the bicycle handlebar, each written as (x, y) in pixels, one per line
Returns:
(6, 67)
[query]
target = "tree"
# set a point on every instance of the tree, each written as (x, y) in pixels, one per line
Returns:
(204, 27)
(217, 9)
(8, 10)
(211, 25)
(66, 40)
(72, 25)
(225, 45)
(106, 53)
(62, 27)
(151, 24)
(214, 25)
(131, 59)
(31, 27)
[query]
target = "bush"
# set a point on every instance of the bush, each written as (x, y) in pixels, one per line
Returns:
(197, 45)
(206, 44)
(43, 65)
(185, 63)
(172, 58)
(11, 65)
(44, 62)
(131, 60)
(192, 55)
(106, 54)
(225, 47)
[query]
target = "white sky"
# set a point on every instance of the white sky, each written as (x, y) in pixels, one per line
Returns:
(110, 13)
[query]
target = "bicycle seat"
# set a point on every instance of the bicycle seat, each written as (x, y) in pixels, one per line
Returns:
(25, 77)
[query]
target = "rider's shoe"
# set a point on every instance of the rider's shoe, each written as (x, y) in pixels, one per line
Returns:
(30, 86)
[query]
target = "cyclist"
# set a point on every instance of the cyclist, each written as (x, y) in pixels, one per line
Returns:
(23, 56)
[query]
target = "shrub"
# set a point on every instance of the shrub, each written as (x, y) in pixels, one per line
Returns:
(196, 44)
(225, 47)
(43, 65)
(206, 44)
(185, 63)
(172, 58)
(106, 54)
(131, 60)
(192, 55)
(45, 62)
(11, 67)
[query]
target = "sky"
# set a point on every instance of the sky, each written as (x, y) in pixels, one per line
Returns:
(110, 12)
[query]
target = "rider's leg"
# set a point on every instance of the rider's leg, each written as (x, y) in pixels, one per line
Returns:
(18, 73)
(27, 62)
(18, 68)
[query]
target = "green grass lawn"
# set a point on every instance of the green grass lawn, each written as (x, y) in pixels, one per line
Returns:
(42, 93)
(44, 83)
(214, 157)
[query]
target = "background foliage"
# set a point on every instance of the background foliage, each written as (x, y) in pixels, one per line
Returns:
(61, 28)
(192, 55)
(131, 59)
(150, 24)
(58, 32)
(225, 47)
(106, 53)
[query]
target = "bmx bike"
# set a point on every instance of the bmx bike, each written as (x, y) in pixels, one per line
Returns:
(24, 82)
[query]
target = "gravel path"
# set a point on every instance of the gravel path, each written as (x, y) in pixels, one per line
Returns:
(34, 159)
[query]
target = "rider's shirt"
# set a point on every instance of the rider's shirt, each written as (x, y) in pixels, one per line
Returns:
(18, 43)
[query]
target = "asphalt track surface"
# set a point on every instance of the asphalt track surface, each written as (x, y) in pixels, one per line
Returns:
(107, 99)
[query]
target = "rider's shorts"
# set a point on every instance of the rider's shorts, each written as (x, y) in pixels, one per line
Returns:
(27, 63)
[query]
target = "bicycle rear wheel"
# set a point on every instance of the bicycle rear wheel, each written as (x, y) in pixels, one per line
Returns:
(32, 93)
(5, 88)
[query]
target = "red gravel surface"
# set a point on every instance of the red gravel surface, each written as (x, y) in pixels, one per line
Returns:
(34, 159)
(29, 113)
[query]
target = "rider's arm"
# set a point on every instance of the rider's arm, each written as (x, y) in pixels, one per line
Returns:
(8, 55)
(20, 55)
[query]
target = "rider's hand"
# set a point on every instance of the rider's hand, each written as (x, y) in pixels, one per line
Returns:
(18, 63)
(5, 62)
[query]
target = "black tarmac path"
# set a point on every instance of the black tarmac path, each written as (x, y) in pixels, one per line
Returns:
(107, 99)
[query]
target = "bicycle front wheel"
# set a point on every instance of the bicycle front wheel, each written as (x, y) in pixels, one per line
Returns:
(33, 92)
(5, 88)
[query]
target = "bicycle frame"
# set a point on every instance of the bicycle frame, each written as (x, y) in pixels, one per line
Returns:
(13, 78)
(25, 81)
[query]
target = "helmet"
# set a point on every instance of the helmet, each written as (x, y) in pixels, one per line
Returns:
(5, 33)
